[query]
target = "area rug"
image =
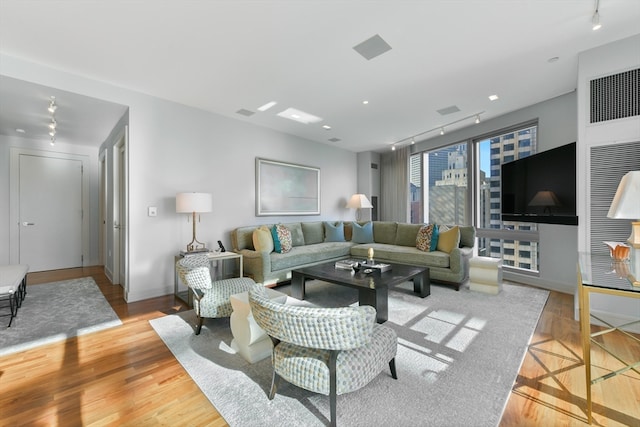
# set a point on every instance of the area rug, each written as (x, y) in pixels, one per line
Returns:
(54, 312)
(458, 356)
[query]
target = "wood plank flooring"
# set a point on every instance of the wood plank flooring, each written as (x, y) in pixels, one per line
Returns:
(126, 376)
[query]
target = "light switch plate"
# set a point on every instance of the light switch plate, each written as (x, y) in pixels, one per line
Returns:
(153, 211)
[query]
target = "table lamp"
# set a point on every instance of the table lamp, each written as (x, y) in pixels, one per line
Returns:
(357, 202)
(194, 203)
(626, 205)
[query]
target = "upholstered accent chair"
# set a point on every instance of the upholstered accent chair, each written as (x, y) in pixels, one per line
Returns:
(211, 299)
(330, 351)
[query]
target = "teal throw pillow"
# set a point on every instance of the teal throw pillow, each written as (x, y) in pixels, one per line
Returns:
(434, 238)
(334, 232)
(362, 233)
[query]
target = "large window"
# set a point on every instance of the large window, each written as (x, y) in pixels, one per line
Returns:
(439, 191)
(439, 186)
(516, 243)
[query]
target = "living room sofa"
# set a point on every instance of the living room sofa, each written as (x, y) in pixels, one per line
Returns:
(311, 244)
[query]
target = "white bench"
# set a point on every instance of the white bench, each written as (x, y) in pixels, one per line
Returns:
(13, 287)
(485, 275)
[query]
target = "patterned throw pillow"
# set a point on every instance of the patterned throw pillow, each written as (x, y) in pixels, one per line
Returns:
(449, 239)
(281, 238)
(423, 239)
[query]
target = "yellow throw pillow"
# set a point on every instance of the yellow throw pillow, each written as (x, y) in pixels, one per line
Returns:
(448, 240)
(262, 240)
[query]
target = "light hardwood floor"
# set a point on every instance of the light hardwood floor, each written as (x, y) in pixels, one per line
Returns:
(127, 376)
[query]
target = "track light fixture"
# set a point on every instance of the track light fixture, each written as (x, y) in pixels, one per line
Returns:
(595, 19)
(412, 139)
(53, 124)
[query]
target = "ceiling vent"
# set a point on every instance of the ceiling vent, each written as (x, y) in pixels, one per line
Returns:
(615, 97)
(372, 47)
(448, 110)
(244, 112)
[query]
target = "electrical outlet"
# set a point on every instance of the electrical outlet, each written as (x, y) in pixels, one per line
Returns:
(153, 211)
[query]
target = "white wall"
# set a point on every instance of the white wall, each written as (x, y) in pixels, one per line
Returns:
(174, 148)
(612, 58)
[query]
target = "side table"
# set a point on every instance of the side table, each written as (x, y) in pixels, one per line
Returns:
(183, 292)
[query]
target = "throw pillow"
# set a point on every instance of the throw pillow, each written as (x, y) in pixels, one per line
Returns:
(424, 236)
(434, 238)
(362, 233)
(334, 232)
(448, 240)
(281, 238)
(262, 240)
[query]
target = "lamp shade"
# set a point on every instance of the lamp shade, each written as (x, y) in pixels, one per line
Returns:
(359, 201)
(626, 202)
(545, 198)
(193, 202)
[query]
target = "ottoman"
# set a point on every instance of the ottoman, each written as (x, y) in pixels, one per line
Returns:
(249, 339)
(485, 275)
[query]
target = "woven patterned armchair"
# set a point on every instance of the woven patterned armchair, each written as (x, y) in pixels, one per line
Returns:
(325, 350)
(210, 298)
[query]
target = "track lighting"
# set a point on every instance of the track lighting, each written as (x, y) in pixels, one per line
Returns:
(442, 131)
(411, 140)
(477, 119)
(52, 105)
(393, 147)
(53, 124)
(595, 19)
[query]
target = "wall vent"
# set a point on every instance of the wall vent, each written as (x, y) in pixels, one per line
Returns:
(615, 97)
(374, 166)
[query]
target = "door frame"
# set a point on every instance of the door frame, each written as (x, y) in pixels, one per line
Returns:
(14, 198)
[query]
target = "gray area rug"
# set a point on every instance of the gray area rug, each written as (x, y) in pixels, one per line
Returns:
(458, 356)
(54, 312)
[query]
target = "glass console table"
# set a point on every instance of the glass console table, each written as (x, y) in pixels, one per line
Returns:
(601, 275)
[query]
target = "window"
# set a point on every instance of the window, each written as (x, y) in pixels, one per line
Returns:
(439, 179)
(516, 243)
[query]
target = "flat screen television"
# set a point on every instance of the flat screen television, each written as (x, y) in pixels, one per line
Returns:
(541, 188)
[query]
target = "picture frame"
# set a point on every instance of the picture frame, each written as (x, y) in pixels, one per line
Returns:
(286, 188)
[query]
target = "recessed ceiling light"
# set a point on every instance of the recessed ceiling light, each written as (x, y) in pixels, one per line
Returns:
(493, 97)
(266, 106)
(299, 116)
(327, 127)
(20, 130)
(365, 102)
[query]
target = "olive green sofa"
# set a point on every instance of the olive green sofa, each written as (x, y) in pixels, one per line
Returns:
(392, 242)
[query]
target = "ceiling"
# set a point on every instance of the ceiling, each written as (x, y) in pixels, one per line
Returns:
(227, 56)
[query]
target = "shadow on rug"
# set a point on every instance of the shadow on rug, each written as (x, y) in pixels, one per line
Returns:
(458, 356)
(56, 311)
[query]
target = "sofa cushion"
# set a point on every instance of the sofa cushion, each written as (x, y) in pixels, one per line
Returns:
(467, 236)
(334, 232)
(385, 232)
(262, 239)
(313, 232)
(362, 233)
(281, 238)
(309, 254)
(406, 234)
(297, 238)
(448, 239)
(402, 255)
(424, 237)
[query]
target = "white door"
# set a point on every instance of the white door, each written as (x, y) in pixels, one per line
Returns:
(50, 212)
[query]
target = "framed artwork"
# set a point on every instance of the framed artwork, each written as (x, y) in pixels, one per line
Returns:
(286, 189)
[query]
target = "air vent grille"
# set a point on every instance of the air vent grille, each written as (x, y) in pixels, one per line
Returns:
(615, 97)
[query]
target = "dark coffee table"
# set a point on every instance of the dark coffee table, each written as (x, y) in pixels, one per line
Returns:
(373, 288)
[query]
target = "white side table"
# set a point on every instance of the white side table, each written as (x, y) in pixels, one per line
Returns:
(249, 339)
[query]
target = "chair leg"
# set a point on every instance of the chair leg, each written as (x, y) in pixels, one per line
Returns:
(274, 386)
(199, 327)
(392, 366)
(333, 386)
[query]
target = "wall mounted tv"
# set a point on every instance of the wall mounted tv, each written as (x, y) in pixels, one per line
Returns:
(541, 188)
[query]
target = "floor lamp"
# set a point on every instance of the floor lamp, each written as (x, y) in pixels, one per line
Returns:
(194, 203)
(357, 202)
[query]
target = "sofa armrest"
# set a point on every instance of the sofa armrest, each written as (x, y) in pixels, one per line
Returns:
(456, 263)
(257, 265)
